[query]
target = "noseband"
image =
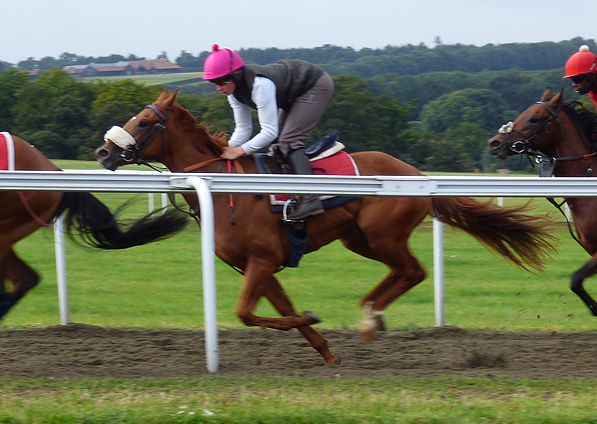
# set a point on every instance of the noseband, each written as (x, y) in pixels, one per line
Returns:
(131, 154)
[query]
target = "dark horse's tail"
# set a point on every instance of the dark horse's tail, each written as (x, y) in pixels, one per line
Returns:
(93, 223)
(514, 234)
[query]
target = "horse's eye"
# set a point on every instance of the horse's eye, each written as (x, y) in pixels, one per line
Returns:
(143, 124)
(534, 120)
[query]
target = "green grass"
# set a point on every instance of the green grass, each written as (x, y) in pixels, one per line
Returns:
(293, 400)
(159, 286)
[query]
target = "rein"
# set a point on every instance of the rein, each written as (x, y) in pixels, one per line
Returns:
(31, 212)
(195, 213)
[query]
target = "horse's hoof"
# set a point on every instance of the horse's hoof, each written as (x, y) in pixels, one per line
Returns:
(311, 318)
(371, 323)
(368, 331)
(336, 360)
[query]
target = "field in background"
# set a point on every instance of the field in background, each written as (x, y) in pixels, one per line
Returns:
(155, 79)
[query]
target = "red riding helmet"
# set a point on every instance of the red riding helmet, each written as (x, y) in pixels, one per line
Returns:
(581, 62)
(221, 63)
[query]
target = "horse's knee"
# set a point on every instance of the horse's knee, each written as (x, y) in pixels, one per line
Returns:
(23, 285)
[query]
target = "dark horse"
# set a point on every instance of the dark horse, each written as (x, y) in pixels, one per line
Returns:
(21, 213)
(555, 134)
(375, 227)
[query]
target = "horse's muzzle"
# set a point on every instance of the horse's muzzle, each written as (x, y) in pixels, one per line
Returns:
(108, 158)
(499, 147)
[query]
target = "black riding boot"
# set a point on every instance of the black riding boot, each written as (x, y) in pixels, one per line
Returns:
(308, 205)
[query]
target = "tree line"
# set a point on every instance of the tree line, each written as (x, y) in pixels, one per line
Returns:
(437, 120)
(402, 60)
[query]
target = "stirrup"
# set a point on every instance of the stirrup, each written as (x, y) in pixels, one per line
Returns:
(285, 218)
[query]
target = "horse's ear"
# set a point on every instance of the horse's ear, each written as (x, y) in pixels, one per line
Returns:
(163, 94)
(557, 99)
(167, 99)
(546, 94)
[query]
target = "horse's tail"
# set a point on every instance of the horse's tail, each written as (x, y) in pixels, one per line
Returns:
(88, 220)
(521, 238)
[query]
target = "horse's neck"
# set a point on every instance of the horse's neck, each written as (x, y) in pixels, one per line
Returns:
(187, 148)
(571, 144)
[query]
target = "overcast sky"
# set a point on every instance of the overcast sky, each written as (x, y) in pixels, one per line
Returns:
(39, 28)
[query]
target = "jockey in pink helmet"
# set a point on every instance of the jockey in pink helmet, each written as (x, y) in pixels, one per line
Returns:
(581, 68)
(290, 97)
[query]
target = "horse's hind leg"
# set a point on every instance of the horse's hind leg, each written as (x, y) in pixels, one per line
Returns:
(578, 278)
(22, 278)
(278, 298)
(405, 273)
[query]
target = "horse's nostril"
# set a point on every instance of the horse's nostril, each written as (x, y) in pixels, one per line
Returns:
(495, 143)
(103, 153)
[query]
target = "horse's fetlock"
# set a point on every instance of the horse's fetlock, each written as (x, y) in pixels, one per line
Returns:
(576, 283)
(246, 318)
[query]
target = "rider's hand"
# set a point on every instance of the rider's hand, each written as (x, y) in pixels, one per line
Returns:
(232, 153)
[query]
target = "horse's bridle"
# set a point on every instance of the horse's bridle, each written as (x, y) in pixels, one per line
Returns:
(131, 154)
(546, 163)
(524, 146)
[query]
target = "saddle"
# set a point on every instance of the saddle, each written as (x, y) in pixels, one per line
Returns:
(327, 157)
(275, 163)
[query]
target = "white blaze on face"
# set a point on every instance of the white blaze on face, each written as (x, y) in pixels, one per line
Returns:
(120, 137)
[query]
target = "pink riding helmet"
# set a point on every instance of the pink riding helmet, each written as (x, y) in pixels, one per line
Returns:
(221, 63)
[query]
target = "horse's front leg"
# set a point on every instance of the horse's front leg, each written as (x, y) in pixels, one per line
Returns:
(20, 275)
(278, 298)
(257, 283)
(578, 278)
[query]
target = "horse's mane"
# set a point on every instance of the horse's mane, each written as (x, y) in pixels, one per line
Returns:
(216, 141)
(582, 118)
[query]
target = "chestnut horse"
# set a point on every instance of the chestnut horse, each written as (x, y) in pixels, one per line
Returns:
(555, 134)
(21, 213)
(374, 227)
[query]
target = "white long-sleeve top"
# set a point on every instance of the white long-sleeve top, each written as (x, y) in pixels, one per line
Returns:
(264, 97)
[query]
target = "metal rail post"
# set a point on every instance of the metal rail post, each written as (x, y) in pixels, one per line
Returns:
(60, 252)
(208, 255)
(438, 271)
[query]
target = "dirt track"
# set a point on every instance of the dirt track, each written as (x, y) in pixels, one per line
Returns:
(79, 351)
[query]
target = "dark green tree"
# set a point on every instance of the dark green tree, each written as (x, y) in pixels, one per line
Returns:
(484, 107)
(11, 81)
(53, 111)
(115, 103)
(471, 140)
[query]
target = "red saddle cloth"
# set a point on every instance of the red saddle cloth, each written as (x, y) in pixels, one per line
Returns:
(7, 157)
(340, 163)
